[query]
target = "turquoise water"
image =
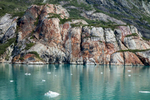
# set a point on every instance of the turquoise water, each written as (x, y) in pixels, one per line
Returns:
(74, 82)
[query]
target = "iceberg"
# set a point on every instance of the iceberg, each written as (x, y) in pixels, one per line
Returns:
(43, 80)
(144, 91)
(27, 74)
(129, 70)
(11, 81)
(48, 72)
(51, 94)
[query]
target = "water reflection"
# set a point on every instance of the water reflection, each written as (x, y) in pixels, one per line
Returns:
(74, 82)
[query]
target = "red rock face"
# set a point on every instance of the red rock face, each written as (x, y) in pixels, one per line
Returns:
(126, 58)
(125, 31)
(50, 31)
(72, 42)
(110, 48)
(78, 42)
(36, 19)
(93, 49)
(28, 56)
(131, 58)
(27, 21)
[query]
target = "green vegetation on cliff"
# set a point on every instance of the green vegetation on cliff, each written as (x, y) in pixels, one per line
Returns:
(28, 46)
(6, 45)
(36, 54)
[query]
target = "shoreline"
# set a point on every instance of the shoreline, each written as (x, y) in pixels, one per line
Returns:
(44, 63)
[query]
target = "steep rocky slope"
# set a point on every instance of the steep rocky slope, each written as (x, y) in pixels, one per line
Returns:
(46, 34)
(135, 12)
(132, 12)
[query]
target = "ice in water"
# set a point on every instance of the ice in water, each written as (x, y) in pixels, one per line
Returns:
(48, 72)
(43, 80)
(11, 81)
(144, 91)
(27, 74)
(129, 75)
(51, 94)
(129, 70)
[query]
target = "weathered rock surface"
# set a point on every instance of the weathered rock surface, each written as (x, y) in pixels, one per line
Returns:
(144, 57)
(125, 58)
(47, 35)
(102, 17)
(7, 27)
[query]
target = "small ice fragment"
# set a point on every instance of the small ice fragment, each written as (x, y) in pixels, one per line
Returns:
(144, 91)
(71, 74)
(29, 74)
(26, 73)
(129, 70)
(101, 72)
(55, 75)
(11, 81)
(48, 72)
(129, 75)
(52, 94)
(43, 80)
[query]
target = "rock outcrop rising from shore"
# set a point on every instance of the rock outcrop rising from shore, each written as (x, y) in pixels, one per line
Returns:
(46, 34)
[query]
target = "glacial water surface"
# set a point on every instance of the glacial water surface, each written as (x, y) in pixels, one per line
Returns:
(74, 82)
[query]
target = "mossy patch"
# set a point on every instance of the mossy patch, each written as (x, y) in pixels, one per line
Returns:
(28, 46)
(36, 54)
(6, 45)
(133, 50)
(133, 34)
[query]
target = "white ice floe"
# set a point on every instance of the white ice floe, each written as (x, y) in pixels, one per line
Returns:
(129, 70)
(48, 72)
(101, 72)
(55, 75)
(27, 74)
(129, 75)
(51, 94)
(71, 74)
(43, 80)
(11, 81)
(144, 91)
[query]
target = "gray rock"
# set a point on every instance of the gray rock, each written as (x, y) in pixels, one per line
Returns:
(89, 61)
(102, 17)
(7, 27)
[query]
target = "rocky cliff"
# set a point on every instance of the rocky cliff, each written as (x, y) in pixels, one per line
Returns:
(46, 34)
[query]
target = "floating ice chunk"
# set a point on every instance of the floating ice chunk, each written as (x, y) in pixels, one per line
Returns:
(144, 91)
(48, 72)
(27, 74)
(101, 72)
(51, 94)
(55, 75)
(43, 80)
(129, 70)
(11, 81)
(71, 74)
(129, 75)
